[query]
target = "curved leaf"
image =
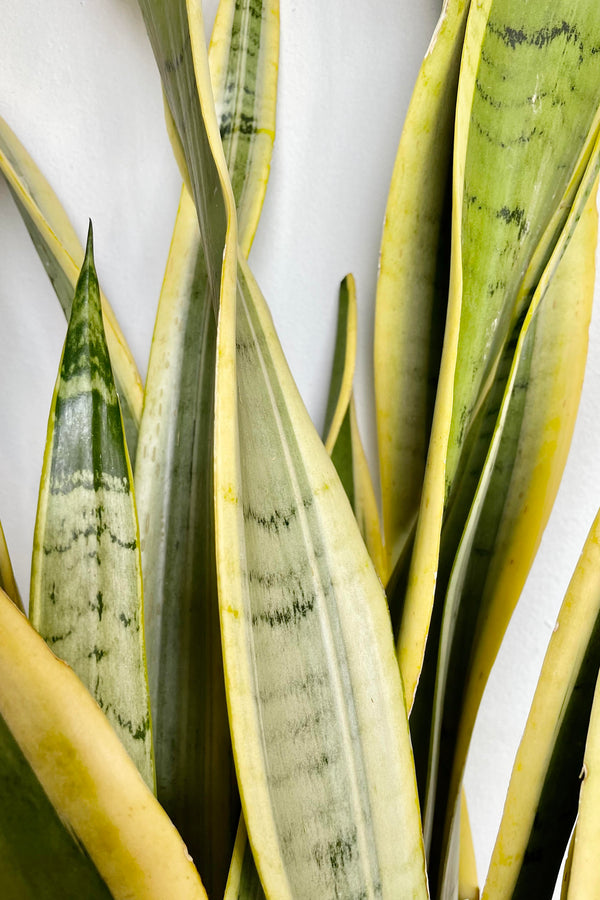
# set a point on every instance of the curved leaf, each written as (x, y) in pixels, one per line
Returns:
(174, 479)
(243, 58)
(413, 281)
(542, 395)
(61, 254)
(541, 804)
(521, 67)
(101, 832)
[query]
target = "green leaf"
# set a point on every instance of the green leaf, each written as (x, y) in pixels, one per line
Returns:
(7, 578)
(511, 499)
(86, 588)
(342, 437)
(174, 489)
(541, 804)
(243, 882)
(243, 58)
(61, 254)
(412, 287)
(313, 687)
(174, 478)
(82, 823)
(257, 579)
(521, 69)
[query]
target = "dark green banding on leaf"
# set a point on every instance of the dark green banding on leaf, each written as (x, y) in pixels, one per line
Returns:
(86, 591)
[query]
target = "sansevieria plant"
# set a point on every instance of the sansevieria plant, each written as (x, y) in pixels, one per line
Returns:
(232, 680)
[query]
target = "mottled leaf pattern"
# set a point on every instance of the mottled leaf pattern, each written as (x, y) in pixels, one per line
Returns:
(86, 592)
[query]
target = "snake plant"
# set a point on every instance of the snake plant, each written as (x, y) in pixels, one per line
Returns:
(234, 682)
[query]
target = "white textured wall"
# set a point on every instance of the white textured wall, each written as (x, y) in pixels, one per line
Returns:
(79, 86)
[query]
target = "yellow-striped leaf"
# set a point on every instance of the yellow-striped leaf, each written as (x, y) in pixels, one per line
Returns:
(61, 254)
(516, 117)
(342, 437)
(413, 282)
(278, 561)
(77, 820)
(7, 577)
(541, 804)
(86, 589)
(174, 482)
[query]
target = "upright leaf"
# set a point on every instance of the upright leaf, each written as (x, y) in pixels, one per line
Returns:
(512, 503)
(413, 283)
(86, 589)
(7, 577)
(541, 804)
(263, 569)
(61, 254)
(342, 437)
(243, 59)
(522, 67)
(582, 876)
(174, 471)
(314, 692)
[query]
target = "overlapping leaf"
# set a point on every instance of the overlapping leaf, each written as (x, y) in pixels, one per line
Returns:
(288, 551)
(61, 254)
(342, 437)
(174, 472)
(77, 819)
(413, 283)
(541, 803)
(512, 504)
(516, 115)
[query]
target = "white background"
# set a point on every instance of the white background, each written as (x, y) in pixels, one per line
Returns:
(79, 86)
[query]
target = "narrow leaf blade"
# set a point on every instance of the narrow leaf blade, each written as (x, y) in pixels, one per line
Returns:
(86, 589)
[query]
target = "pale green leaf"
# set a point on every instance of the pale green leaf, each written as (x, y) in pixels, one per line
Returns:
(86, 588)
(243, 58)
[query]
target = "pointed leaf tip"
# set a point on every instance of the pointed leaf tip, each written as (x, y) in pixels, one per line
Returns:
(89, 245)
